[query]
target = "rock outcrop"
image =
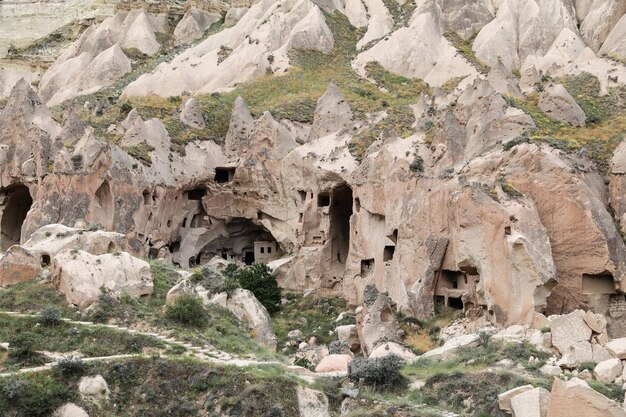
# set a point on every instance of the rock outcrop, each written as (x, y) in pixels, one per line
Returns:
(81, 276)
(576, 397)
(18, 265)
(228, 57)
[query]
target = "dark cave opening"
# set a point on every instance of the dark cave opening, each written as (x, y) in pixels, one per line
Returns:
(16, 208)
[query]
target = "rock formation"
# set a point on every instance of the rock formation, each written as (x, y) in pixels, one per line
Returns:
(475, 208)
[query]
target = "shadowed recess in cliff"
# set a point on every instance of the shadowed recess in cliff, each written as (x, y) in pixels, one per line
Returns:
(16, 202)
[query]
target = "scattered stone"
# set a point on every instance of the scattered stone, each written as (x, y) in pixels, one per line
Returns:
(394, 348)
(312, 403)
(504, 399)
(349, 334)
(93, 386)
(617, 348)
(576, 398)
(70, 410)
(334, 363)
(531, 403)
(18, 265)
(608, 370)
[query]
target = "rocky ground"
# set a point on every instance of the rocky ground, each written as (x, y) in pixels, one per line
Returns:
(314, 208)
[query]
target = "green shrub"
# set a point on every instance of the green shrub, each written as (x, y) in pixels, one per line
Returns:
(23, 347)
(587, 365)
(484, 339)
(418, 164)
(187, 310)
(71, 365)
(125, 108)
(77, 161)
(380, 373)
(33, 397)
(523, 138)
(258, 279)
(50, 315)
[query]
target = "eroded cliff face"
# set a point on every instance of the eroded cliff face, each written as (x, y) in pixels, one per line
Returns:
(457, 195)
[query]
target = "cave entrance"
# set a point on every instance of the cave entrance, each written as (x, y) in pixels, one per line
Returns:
(451, 286)
(17, 203)
(243, 241)
(340, 212)
(196, 194)
(224, 175)
(598, 284)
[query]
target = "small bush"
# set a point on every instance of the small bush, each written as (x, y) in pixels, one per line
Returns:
(125, 108)
(23, 345)
(417, 165)
(380, 373)
(187, 310)
(50, 315)
(77, 161)
(523, 138)
(484, 339)
(71, 365)
(303, 362)
(587, 365)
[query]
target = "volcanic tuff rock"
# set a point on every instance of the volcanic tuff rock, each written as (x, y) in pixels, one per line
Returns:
(200, 69)
(80, 275)
(471, 208)
(18, 265)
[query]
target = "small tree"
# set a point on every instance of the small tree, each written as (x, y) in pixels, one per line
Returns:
(23, 347)
(380, 373)
(258, 278)
(50, 315)
(187, 310)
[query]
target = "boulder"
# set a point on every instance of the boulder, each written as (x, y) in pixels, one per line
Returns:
(390, 348)
(557, 103)
(312, 403)
(599, 353)
(245, 306)
(552, 370)
(531, 403)
(377, 320)
(348, 333)
(452, 346)
(18, 265)
(313, 354)
(596, 322)
(334, 363)
(571, 335)
(80, 275)
(617, 348)
(504, 399)
(93, 386)
(70, 410)
(608, 370)
(191, 115)
(576, 398)
(539, 321)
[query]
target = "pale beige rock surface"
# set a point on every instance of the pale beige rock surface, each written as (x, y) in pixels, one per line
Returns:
(80, 275)
(575, 397)
(18, 265)
(334, 363)
(70, 410)
(531, 403)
